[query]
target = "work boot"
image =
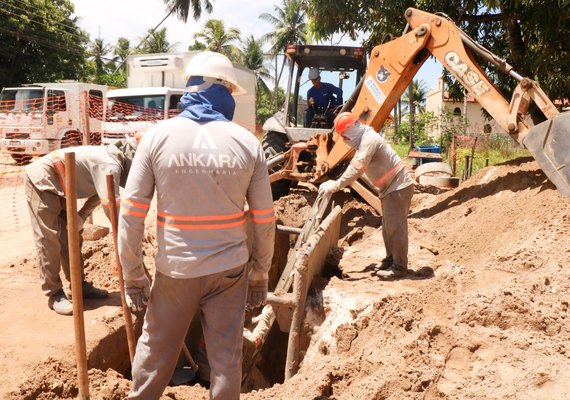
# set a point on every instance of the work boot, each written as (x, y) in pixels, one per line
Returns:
(386, 263)
(91, 292)
(394, 272)
(60, 304)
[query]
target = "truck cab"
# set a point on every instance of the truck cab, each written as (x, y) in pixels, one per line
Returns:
(137, 109)
(36, 119)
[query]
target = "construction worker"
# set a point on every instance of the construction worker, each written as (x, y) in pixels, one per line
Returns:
(380, 163)
(45, 194)
(209, 174)
(322, 99)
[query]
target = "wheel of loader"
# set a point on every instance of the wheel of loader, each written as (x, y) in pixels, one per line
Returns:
(275, 143)
(21, 159)
(71, 139)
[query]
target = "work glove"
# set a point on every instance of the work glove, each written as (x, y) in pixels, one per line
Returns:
(328, 188)
(257, 289)
(137, 293)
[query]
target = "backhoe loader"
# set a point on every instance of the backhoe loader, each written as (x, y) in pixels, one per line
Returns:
(391, 68)
(324, 155)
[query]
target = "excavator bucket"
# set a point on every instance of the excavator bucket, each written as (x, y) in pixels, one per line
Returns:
(549, 144)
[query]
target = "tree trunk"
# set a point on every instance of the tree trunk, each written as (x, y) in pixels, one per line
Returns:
(412, 114)
(518, 54)
(396, 125)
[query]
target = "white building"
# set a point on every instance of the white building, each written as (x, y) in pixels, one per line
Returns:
(438, 102)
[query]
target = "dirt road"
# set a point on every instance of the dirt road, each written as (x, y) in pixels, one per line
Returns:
(485, 316)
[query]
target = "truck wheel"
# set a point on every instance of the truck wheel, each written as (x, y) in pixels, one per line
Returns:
(21, 159)
(275, 143)
(71, 139)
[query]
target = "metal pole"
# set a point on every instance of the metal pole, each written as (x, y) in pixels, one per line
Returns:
(76, 278)
(126, 310)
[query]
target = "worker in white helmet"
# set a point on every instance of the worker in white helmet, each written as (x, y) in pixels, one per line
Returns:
(394, 185)
(209, 175)
(322, 99)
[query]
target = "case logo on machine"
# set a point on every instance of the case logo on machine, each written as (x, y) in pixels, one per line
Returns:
(470, 78)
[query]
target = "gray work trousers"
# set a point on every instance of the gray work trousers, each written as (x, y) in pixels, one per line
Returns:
(49, 225)
(220, 298)
(395, 209)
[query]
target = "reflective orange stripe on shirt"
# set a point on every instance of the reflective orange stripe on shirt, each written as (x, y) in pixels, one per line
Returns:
(59, 168)
(200, 222)
(262, 216)
(131, 207)
(358, 165)
(388, 176)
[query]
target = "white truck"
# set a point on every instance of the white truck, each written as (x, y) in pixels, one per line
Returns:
(137, 109)
(38, 118)
(154, 88)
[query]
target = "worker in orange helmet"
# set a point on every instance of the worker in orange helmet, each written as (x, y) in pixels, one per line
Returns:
(380, 163)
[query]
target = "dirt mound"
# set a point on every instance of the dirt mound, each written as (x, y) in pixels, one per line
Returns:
(491, 321)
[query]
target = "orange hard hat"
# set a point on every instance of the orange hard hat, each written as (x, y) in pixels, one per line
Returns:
(344, 121)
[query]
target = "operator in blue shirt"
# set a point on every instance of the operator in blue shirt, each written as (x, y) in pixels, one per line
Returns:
(322, 99)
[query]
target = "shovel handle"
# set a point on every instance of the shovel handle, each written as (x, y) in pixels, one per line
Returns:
(189, 358)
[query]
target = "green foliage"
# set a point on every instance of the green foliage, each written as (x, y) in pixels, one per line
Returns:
(496, 152)
(421, 122)
(265, 105)
(290, 25)
(197, 46)
(530, 35)
(182, 8)
(217, 38)
(157, 42)
(114, 79)
(450, 124)
(39, 42)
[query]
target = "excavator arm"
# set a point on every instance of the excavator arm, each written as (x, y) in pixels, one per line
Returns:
(394, 64)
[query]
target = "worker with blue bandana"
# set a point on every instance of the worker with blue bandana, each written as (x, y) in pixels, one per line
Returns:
(210, 178)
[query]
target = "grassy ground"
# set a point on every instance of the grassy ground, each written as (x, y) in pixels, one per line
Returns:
(491, 154)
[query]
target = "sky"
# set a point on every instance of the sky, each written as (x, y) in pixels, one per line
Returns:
(111, 19)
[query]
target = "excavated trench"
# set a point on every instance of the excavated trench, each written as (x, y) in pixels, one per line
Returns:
(263, 368)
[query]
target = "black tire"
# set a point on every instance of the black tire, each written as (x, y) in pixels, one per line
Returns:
(71, 139)
(275, 143)
(21, 159)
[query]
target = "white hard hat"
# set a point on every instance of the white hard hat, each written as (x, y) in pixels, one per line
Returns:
(212, 67)
(314, 73)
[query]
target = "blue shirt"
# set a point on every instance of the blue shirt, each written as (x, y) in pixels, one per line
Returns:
(325, 95)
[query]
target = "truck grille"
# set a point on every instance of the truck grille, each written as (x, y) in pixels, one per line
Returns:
(17, 135)
(114, 135)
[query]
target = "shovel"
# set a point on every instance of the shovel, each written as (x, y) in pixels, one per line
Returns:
(184, 375)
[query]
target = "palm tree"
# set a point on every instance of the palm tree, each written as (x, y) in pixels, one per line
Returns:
(217, 38)
(157, 42)
(415, 99)
(290, 27)
(182, 8)
(253, 58)
(121, 52)
(418, 95)
(98, 53)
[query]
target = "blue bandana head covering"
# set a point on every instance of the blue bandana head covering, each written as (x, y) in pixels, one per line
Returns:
(212, 104)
